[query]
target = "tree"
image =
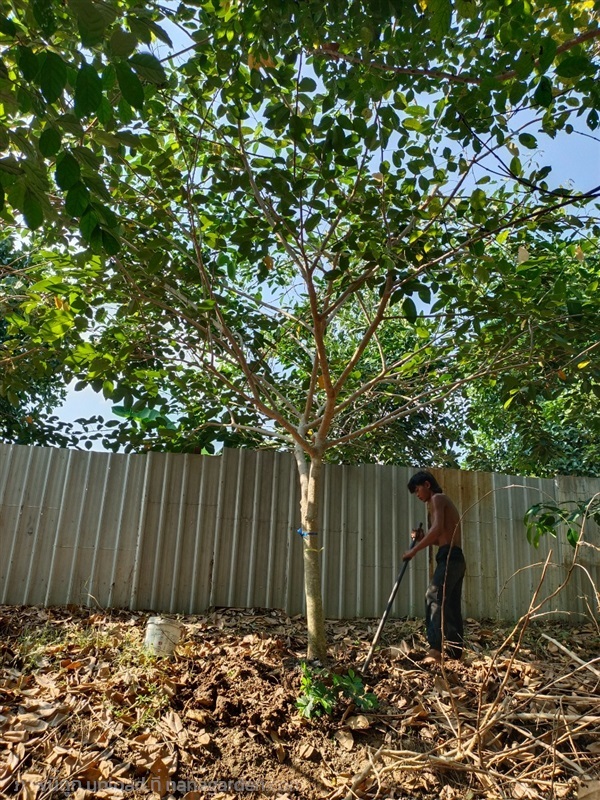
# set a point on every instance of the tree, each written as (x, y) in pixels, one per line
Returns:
(216, 217)
(542, 438)
(32, 381)
(548, 424)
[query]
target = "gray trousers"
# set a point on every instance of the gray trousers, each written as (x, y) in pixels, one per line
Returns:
(444, 602)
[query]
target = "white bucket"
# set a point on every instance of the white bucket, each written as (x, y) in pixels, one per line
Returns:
(162, 636)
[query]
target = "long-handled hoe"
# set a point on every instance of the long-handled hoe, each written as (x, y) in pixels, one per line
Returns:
(420, 532)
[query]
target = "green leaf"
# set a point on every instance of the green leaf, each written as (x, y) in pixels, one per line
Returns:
(149, 68)
(106, 215)
(466, 8)
(53, 77)
(49, 142)
(145, 29)
(29, 63)
(44, 16)
(104, 112)
(88, 224)
(573, 536)
(307, 85)
(32, 210)
(130, 85)
(96, 185)
(478, 199)
(141, 29)
(410, 310)
(110, 243)
(88, 91)
(67, 172)
(412, 124)
(87, 157)
(7, 26)
(77, 200)
(543, 94)
(416, 111)
(123, 43)
(527, 140)
(106, 139)
(11, 166)
(573, 66)
(128, 138)
(546, 54)
(441, 17)
(524, 65)
(92, 19)
(159, 32)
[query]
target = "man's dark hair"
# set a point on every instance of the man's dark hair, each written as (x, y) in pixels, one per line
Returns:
(421, 477)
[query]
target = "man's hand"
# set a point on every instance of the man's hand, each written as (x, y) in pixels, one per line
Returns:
(408, 555)
(417, 533)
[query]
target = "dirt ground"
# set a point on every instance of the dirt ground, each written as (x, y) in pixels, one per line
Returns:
(85, 712)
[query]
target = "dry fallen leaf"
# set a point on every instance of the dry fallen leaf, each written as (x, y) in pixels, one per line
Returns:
(358, 723)
(589, 790)
(30, 782)
(345, 739)
(159, 777)
(307, 752)
(203, 739)
(417, 715)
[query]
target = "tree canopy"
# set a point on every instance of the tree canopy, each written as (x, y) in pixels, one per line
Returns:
(32, 376)
(303, 221)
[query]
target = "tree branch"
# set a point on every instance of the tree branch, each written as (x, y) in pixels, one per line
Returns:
(332, 52)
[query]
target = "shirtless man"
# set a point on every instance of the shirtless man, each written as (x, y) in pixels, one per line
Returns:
(443, 596)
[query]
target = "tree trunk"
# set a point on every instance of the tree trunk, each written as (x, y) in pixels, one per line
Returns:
(310, 478)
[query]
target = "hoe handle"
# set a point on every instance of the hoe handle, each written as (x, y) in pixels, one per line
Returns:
(386, 613)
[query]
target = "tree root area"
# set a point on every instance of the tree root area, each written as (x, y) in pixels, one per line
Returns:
(86, 712)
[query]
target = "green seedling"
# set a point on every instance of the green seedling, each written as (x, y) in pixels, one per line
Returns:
(322, 691)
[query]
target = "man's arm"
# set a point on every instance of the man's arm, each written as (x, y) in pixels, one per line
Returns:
(435, 529)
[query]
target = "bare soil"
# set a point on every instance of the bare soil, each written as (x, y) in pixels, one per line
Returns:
(85, 712)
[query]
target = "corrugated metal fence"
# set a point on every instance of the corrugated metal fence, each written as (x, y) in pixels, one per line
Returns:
(181, 533)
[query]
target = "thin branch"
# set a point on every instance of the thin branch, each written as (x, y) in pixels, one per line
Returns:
(414, 405)
(276, 309)
(383, 304)
(268, 434)
(270, 214)
(585, 664)
(332, 52)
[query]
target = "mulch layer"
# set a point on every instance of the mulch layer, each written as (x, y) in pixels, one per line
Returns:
(86, 712)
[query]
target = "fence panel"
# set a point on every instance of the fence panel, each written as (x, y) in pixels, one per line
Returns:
(181, 533)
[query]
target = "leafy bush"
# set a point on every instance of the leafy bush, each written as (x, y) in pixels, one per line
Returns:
(544, 518)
